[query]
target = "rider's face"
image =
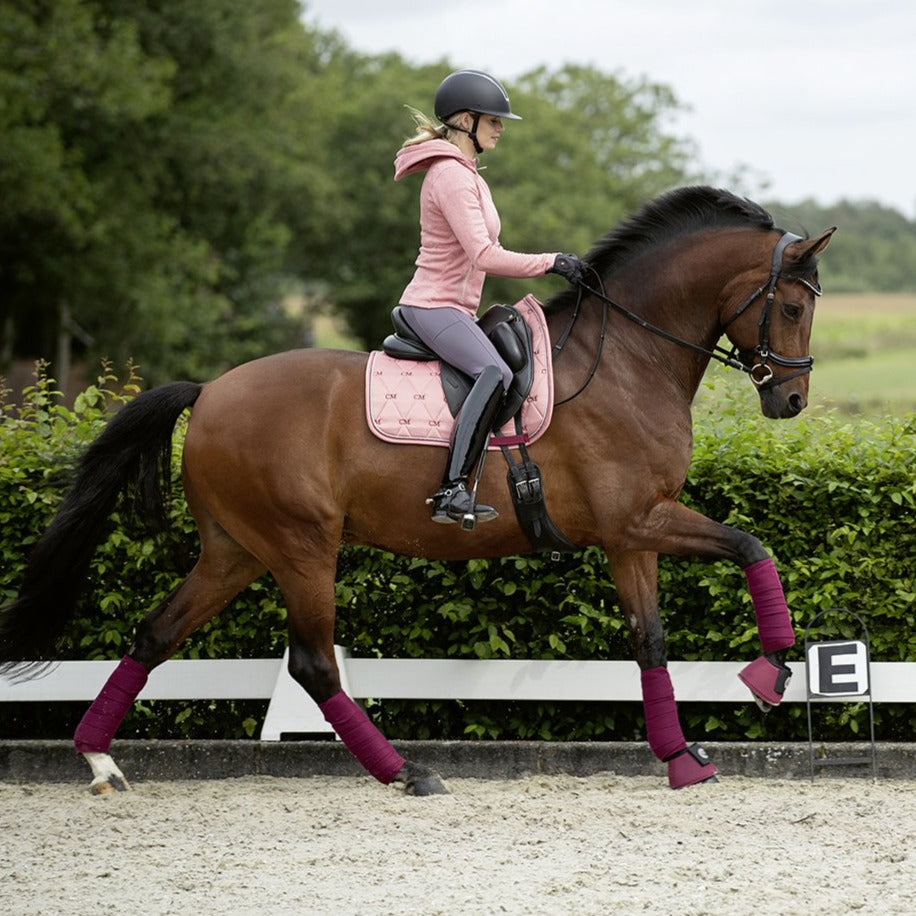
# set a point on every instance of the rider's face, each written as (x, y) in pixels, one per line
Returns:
(489, 130)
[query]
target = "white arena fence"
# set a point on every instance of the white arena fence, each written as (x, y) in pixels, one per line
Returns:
(290, 711)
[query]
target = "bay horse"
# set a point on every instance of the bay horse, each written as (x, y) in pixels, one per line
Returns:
(279, 468)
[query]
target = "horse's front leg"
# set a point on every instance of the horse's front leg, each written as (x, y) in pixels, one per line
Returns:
(636, 577)
(672, 528)
(768, 676)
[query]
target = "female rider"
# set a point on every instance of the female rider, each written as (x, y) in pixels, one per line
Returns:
(459, 246)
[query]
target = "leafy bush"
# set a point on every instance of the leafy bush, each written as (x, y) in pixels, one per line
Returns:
(834, 503)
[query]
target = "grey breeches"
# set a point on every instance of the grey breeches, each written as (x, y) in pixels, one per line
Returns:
(456, 338)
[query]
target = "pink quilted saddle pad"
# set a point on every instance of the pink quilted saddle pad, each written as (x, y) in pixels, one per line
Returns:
(405, 403)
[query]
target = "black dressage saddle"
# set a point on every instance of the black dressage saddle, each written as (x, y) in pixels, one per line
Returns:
(508, 332)
(511, 336)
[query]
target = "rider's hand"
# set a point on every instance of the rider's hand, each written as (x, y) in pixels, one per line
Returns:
(569, 267)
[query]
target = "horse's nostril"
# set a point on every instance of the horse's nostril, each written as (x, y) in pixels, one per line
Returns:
(796, 403)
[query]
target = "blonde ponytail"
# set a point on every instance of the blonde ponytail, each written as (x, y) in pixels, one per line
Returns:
(426, 129)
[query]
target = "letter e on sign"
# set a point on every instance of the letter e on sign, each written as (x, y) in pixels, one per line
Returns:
(838, 669)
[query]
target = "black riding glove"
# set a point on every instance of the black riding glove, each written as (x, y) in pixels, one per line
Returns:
(569, 267)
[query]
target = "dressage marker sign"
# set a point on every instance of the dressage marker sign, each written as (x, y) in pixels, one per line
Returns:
(839, 671)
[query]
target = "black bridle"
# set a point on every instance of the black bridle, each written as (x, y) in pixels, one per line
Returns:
(760, 372)
(756, 362)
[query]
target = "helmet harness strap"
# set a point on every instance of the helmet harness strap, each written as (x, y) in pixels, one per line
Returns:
(472, 133)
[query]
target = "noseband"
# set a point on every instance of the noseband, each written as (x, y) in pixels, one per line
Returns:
(756, 362)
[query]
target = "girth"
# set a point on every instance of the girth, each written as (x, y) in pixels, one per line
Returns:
(509, 334)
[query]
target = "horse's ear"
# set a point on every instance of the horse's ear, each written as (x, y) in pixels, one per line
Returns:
(810, 248)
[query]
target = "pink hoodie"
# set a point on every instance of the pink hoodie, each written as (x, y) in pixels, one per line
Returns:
(459, 231)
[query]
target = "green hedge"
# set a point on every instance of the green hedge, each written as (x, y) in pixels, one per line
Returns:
(833, 501)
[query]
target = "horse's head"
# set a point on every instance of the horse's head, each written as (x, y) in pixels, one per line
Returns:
(771, 328)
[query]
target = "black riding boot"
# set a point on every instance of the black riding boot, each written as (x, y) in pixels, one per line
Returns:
(452, 502)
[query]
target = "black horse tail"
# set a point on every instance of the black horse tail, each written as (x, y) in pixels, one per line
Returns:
(131, 456)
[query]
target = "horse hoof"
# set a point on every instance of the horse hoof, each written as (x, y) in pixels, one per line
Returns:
(420, 780)
(107, 778)
(427, 785)
(106, 785)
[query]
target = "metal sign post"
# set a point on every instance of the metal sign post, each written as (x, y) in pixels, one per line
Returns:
(839, 671)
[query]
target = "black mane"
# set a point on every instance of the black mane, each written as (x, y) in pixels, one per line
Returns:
(671, 215)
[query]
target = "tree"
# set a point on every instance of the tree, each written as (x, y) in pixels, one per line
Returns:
(230, 158)
(171, 172)
(874, 250)
(72, 95)
(377, 220)
(147, 168)
(590, 149)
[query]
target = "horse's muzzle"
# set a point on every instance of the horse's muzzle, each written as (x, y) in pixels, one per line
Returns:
(779, 404)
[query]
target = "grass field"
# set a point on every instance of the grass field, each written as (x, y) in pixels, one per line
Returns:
(864, 346)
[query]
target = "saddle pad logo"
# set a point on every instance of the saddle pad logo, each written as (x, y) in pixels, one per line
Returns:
(405, 403)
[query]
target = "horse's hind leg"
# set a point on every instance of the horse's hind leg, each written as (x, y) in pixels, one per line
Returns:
(636, 577)
(308, 587)
(221, 572)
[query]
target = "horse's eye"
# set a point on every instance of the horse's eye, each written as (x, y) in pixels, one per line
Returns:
(791, 311)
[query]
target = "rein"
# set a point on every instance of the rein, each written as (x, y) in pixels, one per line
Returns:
(759, 373)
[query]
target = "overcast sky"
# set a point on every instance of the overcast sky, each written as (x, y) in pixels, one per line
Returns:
(814, 98)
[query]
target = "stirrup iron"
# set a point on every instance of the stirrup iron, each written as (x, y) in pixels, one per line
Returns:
(444, 513)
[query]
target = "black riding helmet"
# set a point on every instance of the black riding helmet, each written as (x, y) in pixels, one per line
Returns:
(474, 91)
